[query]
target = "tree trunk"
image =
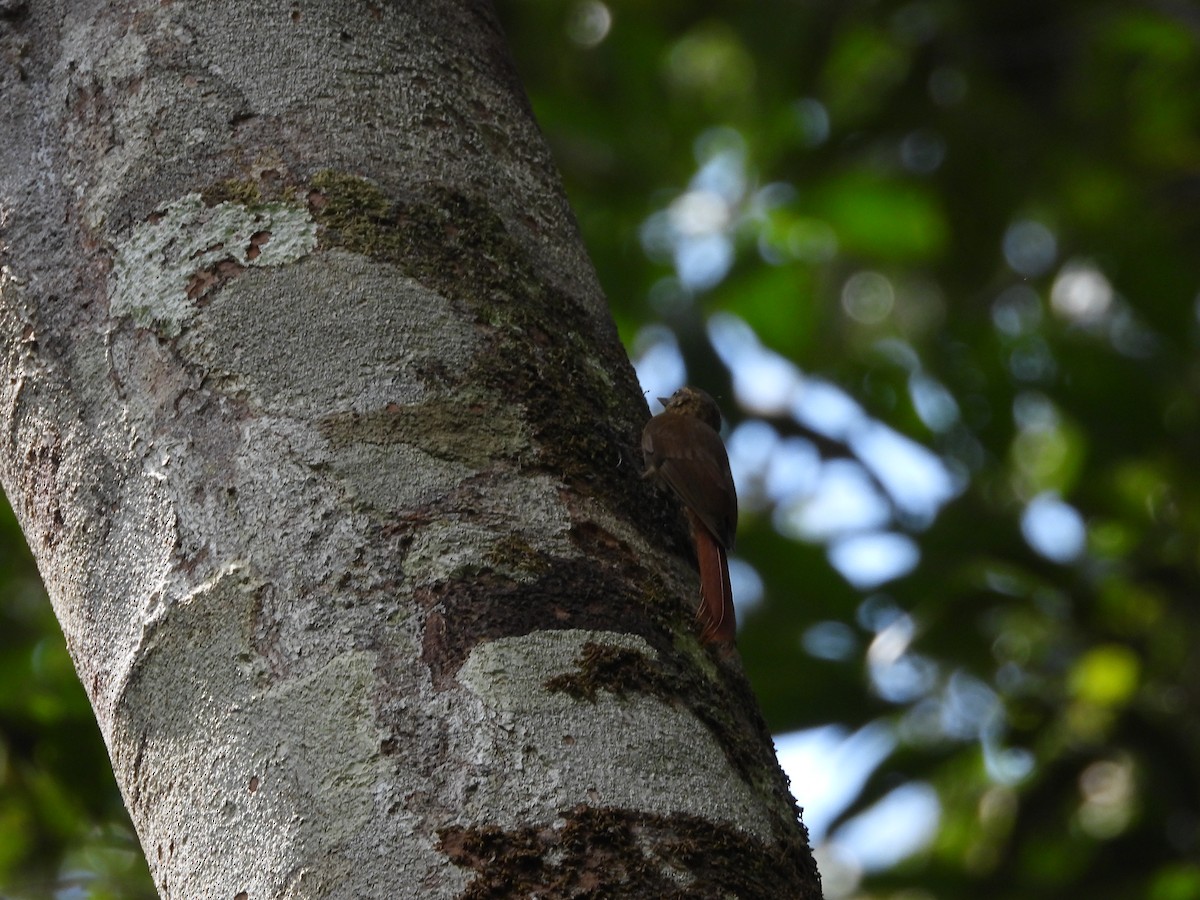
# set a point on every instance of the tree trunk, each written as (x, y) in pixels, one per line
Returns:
(321, 434)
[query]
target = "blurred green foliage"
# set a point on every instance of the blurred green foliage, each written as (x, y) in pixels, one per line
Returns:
(63, 828)
(930, 146)
(938, 148)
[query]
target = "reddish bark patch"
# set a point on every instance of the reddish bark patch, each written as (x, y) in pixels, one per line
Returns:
(566, 594)
(606, 852)
(617, 670)
(257, 241)
(204, 282)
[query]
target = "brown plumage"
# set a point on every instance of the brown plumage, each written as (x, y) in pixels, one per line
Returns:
(682, 447)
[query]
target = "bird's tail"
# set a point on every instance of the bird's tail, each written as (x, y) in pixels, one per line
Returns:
(716, 615)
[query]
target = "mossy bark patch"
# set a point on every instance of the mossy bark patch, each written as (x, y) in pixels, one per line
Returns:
(486, 605)
(449, 427)
(607, 852)
(573, 386)
(617, 670)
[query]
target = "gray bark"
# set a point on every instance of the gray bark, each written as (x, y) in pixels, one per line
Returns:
(318, 427)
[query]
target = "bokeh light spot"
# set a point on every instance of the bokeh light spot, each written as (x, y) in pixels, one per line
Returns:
(1053, 528)
(589, 23)
(1030, 248)
(868, 297)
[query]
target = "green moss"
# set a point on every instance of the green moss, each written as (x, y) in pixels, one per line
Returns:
(572, 389)
(356, 215)
(453, 428)
(513, 553)
(243, 192)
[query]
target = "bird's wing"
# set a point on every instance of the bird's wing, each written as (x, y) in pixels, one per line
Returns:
(706, 488)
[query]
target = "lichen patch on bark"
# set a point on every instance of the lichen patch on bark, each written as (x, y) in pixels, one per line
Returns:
(308, 745)
(168, 264)
(636, 750)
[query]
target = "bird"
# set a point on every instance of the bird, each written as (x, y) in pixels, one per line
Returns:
(683, 448)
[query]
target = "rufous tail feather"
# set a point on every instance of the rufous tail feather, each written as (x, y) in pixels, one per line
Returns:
(716, 615)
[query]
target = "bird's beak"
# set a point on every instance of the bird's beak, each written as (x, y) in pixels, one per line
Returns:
(664, 400)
